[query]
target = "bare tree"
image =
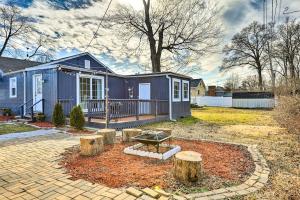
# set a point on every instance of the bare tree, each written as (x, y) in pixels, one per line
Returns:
(250, 83)
(232, 82)
(287, 52)
(13, 25)
(16, 30)
(247, 50)
(170, 28)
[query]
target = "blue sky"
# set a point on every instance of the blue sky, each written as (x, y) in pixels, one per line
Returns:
(72, 23)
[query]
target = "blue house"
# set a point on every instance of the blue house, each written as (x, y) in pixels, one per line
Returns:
(29, 87)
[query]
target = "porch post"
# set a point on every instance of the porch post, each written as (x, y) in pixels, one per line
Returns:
(156, 109)
(137, 109)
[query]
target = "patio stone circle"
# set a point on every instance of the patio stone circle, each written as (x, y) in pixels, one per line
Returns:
(40, 177)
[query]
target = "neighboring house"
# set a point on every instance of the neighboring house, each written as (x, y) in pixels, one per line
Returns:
(81, 80)
(197, 87)
(218, 91)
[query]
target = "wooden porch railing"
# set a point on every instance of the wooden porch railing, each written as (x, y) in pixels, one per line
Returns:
(120, 108)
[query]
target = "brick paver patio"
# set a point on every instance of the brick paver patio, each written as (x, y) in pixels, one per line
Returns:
(29, 170)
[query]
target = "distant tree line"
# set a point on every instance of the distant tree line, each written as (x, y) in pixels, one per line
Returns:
(268, 49)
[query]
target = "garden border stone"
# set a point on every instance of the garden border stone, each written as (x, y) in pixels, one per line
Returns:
(255, 182)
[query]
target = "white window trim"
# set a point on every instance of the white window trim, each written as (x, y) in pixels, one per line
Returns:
(91, 77)
(87, 64)
(10, 87)
(188, 98)
(179, 92)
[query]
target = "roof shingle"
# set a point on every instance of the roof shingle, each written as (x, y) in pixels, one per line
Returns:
(12, 64)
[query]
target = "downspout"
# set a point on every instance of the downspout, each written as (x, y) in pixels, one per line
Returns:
(170, 98)
(24, 91)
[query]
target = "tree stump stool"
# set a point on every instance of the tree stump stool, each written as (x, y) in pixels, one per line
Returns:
(128, 133)
(167, 131)
(91, 145)
(109, 135)
(187, 166)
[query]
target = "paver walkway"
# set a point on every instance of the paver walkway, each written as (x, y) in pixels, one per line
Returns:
(29, 170)
(28, 134)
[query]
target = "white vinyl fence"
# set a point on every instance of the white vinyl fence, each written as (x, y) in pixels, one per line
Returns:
(212, 101)
(230, 102)
(253, 103)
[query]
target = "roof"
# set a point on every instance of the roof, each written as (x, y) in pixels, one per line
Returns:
(160, 74)
(12, 64)
(252, 95)
(195, 82)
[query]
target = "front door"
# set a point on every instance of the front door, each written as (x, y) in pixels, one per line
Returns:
(144, 94)
(37, 92)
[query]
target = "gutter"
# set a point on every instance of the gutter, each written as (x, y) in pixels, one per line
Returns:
(170, 98)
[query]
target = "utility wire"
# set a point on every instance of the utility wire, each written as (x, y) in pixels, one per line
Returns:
(95, 34)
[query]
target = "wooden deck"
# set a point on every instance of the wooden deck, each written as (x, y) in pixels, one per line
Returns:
(127, 122)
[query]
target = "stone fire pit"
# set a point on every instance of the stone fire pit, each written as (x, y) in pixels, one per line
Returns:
(156, 139)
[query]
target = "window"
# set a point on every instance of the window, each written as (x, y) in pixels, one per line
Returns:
(176, 90)
(90, 87)
(13, 87)
(185, 91)
(87, 64)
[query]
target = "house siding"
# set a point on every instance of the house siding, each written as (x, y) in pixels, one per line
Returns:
(80, 62)
(5, 100)
(180, 108)
(49, 89)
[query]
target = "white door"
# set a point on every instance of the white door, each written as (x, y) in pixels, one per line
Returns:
(144, 94)
(37, 90)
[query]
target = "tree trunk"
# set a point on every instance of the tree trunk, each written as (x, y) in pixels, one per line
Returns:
(187, 166)
(260, 81)
(4, 46)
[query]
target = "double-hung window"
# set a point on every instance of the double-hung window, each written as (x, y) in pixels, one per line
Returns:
(176, 90)
(13, 87)
(185, 90)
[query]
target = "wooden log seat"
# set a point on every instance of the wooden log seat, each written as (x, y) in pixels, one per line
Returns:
(91, 145)
(167, 131)
(187, 166)
(109, 135)
(128, 133)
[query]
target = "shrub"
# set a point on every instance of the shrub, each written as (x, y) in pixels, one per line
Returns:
(287, 113)
(58, 117)
(193, 105)
(40, 117)
(77, 118)
(7, 112)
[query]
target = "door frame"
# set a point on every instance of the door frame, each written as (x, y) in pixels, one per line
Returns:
(145, 107)
(34, 89)
(149, 90)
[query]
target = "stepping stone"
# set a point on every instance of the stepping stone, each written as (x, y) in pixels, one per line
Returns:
(146, 197)
(176, 197)
(150, 192)
(162, 192)
(163, 198)
(134, 192)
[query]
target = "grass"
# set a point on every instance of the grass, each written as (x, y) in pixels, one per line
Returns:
(232, 116)
(15, 128)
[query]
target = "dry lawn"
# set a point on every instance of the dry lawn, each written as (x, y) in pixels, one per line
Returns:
(280, 148)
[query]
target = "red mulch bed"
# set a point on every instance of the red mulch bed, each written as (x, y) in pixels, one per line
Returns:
(6, 118)
(43, 124)
(116, 169)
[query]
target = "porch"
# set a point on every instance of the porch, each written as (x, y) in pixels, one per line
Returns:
(122, 113)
